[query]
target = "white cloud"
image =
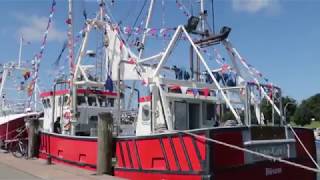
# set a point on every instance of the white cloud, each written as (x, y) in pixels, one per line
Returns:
(253, 6)
(33, 28)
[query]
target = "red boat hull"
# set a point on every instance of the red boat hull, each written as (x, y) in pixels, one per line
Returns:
(179, 156)
(8, 129)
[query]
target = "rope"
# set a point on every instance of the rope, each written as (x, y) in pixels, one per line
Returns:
(14, 130)
(304, 148)
(254, 152)
(137, 18)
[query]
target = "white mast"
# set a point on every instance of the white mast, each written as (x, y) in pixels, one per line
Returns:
(35, 92)
(73, 89)
(4, 76)
(202, 15)
(146, 27)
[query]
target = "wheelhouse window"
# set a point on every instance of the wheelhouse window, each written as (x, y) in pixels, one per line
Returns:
(44, 103)
(48, 103)
(105, 101)
(60, 100)
(65, 99)
(81, 101)
(92, 101)
(110, 102)
(102, 101)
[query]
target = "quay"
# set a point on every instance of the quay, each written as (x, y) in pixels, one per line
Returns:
(37, 169)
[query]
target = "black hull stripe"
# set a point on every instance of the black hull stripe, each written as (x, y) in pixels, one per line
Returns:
(121, 153)
(129, 154)
(164, 154)
(185, 151)
(174, 153)
(197, 150)
(137, 153)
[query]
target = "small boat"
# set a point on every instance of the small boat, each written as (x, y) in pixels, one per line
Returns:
(15, 102)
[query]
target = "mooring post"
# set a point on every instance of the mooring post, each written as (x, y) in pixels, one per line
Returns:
(105, 128)
(33, 135)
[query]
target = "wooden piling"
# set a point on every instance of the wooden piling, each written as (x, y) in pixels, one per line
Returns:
(105, 128)
(33, 135)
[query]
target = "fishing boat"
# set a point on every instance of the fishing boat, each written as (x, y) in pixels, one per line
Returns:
(15, 102)
(200, 123)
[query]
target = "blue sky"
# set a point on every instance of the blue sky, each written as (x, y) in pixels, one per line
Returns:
(279, 37)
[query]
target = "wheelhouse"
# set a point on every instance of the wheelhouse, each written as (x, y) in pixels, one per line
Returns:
(90, 103)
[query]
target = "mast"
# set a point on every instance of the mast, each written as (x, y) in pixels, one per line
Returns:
(4, 77)
(202, 29)
(73, 89)
(35, 92)
(103, 62)
(146, 27)
(202, 14)
(143, 41)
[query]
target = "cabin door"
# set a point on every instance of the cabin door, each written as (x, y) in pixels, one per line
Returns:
(180, 115)
(194, 115)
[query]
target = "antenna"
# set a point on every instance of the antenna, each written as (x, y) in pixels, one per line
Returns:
(20, 52)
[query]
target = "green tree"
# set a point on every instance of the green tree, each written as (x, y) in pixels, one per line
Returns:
(303, 115)
(291, 104)
(308, 109)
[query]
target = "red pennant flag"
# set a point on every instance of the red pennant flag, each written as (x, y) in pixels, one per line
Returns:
(206, 92)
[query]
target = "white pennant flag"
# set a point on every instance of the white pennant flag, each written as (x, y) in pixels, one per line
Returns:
(184, 89)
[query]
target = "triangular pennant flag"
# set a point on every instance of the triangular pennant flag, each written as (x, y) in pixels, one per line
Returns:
(195, 92)
(184, 89)
(206, 92)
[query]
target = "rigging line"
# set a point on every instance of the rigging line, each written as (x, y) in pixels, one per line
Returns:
(64, 46)
(303, 146)
(163, 19)
(266, 156)
(137, 18)
(191, 8)
(212, 11)
(128, 14)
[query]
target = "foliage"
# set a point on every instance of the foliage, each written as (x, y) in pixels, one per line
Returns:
(287, 102)
(309, 109)
(303, 115)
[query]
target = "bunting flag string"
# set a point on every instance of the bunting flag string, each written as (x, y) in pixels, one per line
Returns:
(252, 70)
(157, 32)
(183, 9)
(64, 46)
(38, 57)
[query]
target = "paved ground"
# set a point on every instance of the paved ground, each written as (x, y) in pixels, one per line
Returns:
(9, 172)
(34, 169)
